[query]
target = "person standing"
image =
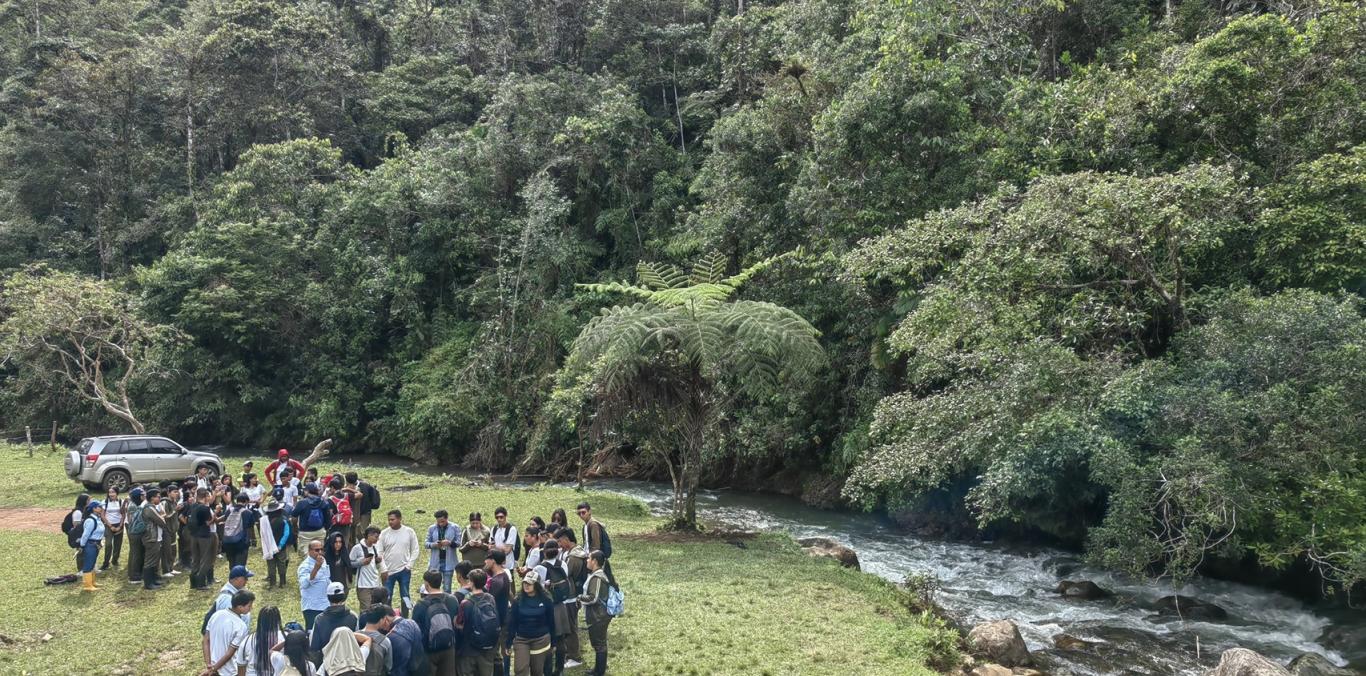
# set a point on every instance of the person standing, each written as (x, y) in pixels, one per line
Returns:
(442, 538)
(277, 566)
(153, 538)
(201, 523)
(398, 550)
(531, 627)
(595, 539)
(474, 543)
(370, 501)
(92, 536)
(500, 586)
(115, 511)
(237, 581)
(282, 461)
(376, 622)
(224, 635)
(313, 579)
(335, 616)
(435, 616)
(477, 654)
(555, 577)
(135, 529)
(253, 656)
(365, 559)
(170, 512)
(576, 565)
(338, 558)
(594, 601)
(504, 537)
(71, 526)
(238, 521)
(314, 514)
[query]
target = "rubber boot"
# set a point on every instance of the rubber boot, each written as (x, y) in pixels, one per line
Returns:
(600, 663)
(88, 583)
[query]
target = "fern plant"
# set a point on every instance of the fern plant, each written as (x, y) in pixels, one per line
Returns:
(667, 368)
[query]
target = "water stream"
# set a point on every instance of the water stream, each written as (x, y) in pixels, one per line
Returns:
(981, 582)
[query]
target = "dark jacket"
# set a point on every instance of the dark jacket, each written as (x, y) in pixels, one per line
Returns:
(531, 617)
(302, 508)
(328, 622)
(410, 650)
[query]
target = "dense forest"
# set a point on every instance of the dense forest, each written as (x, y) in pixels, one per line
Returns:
(1088, 268)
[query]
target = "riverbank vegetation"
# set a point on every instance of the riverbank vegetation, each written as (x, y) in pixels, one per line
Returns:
(695, 606)
(1084, 268)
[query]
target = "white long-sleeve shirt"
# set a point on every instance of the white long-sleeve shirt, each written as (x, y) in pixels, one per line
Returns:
(398, 549)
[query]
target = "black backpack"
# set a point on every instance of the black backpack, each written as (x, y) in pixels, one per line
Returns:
(440, 627)
(371, 496)
(481, 621)
(557, 582)
(73, 531)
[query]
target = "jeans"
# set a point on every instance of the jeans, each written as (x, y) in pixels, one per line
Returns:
(446, 577)
(402, 579)
(89, 552)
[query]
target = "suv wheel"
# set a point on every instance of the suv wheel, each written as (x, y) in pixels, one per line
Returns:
(117, 478)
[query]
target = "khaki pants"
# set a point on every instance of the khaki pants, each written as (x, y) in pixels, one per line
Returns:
(530, 655)
(480, 664)
(443, 663)
(363, 595)
(151, 553)
(362, 522)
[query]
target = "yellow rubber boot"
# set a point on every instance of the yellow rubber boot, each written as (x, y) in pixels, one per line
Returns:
(89, 582)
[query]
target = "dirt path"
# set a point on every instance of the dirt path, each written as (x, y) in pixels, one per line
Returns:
(38, 519)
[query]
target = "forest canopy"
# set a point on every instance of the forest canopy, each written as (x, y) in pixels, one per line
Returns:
(1087, 268)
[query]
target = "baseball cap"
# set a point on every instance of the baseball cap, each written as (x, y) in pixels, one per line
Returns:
(283, 453)
(239, 571)
(531, 577)
(336, 588)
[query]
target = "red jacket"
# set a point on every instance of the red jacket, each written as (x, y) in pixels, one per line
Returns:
(297, 466)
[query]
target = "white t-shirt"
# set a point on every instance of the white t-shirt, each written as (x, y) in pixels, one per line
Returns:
(113, 512)
(367, 576)
(246, 655)
(507, 537)
(279, 661)
(291, 493)
(225, 630)
(254, 493)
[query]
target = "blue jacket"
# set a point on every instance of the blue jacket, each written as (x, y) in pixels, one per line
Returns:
(452, 533)
(92, 528)
(313, 594)
(410, 653)
(302, 507)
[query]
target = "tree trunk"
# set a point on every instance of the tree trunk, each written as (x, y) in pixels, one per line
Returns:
(319, 452)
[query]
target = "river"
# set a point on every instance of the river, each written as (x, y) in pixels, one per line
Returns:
(982, 581)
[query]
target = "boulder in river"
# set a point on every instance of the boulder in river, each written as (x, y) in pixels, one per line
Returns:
(1314, 664)
(830, 549)
(1244, 662)
(1082, 589)
(1000, 642)
(1190, 608)
(1066, 642)
(1062, 566)
(991, 670)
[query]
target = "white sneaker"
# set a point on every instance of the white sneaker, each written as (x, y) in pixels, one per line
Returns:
(570, 664)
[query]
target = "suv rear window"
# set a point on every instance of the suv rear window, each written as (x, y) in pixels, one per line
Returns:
(84, 446)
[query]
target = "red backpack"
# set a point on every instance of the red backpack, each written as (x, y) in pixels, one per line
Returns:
(342, 516)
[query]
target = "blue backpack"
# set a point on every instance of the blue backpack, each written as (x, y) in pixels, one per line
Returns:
(314, 518)
(615, 603)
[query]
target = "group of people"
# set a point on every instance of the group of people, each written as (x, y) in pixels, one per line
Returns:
(491, 599)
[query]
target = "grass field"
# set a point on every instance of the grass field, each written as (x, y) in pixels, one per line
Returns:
(694, 606)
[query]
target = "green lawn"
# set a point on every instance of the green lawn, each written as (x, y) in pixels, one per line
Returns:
(693, 607)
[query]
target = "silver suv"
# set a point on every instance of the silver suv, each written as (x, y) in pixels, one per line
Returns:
(122, 460)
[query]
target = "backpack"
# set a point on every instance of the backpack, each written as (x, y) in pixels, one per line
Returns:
(73, 534)
(371, 496)
(342, 517)
(213, 608)
(615, 603)
(440, 628)
(557, 582)
(313, 519)
(482, 622)
(606, 542)
(232, 528)
(136, 524)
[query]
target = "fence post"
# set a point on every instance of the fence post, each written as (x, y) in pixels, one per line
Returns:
(52, 441)
(28, 434)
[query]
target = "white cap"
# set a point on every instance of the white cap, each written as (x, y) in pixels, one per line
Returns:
(336, 588)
